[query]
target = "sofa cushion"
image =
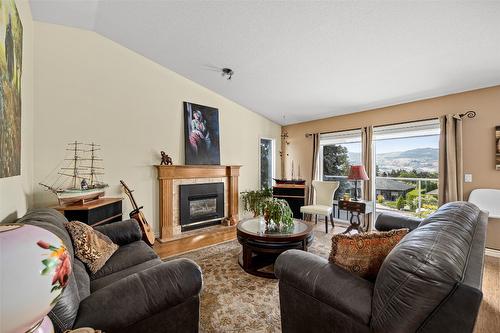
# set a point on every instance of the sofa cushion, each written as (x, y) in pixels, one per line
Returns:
(63, 314)
(126, 256)
(113, 277)
(82, 279)
(363, 254)
(122, 232)
(422, 270)
(91, 247)
(51, 220)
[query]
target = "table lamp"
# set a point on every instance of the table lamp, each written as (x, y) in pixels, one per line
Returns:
(357, 172)
(35, 268)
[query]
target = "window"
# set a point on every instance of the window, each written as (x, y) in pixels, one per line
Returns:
(338, 151)
(266, 147)
(406, 159)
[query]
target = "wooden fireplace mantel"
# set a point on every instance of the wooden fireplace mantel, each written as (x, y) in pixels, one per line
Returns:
(197, 171)
(168, 173)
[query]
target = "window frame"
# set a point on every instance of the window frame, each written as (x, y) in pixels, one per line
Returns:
(273, 159)
(337, 135)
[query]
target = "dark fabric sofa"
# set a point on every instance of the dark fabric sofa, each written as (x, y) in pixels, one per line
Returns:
(134, 291)
(430, 282)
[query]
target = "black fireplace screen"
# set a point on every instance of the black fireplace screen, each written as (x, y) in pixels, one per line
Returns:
(201, 205)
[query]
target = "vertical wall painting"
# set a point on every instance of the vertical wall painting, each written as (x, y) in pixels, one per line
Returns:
(497, 146)
(11, 50)
(201, 134)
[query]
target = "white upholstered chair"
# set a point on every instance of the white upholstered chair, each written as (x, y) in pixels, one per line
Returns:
(487, 200)
(323, 205)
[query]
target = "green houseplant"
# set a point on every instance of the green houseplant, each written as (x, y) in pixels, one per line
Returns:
(253, 201)
(277, 214)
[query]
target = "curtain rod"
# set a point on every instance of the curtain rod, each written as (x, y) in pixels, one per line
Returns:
(344, 130)
(468, 114)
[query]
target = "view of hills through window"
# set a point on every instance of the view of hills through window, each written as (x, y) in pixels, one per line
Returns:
(417, 156)
(406, 170)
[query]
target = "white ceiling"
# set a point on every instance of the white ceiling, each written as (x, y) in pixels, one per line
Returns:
(302, 60)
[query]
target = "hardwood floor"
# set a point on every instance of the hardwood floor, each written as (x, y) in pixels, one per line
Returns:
(488, 320)
(193, 240)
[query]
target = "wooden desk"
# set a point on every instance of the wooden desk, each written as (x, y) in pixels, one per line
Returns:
(96, 212)
(356, 207)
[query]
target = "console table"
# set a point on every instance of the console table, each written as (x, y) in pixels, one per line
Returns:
(356, 208)
(294, 194)
(95, 212)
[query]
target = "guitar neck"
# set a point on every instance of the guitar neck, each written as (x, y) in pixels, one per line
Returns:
(132, 200)
(130, 196)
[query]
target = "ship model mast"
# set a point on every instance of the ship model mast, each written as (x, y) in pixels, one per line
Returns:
(78, 188)
(92, 168)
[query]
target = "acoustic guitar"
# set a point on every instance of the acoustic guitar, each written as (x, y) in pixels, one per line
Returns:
(147, 233)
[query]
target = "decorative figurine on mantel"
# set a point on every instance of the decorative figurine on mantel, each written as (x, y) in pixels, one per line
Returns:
(165, 159)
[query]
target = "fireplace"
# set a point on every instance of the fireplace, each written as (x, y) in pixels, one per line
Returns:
(201, 205)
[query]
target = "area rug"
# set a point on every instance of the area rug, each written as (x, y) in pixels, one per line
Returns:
(235, 301)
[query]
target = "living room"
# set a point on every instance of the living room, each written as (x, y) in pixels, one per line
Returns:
(390, 109)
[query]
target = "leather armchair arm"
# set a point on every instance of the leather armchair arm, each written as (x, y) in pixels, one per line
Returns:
(140, 296)
(122, 232)
(326, 282)
(390, 221)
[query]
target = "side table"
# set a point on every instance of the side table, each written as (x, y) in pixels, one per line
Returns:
(356, 208)
(94, 213)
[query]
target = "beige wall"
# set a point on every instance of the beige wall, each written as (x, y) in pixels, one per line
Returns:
(90, 88)
(16, 192)
(479, 133)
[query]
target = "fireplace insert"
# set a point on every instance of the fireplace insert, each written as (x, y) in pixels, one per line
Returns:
(201, 205)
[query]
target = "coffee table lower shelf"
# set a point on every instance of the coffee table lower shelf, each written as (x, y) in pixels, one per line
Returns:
(257, 258)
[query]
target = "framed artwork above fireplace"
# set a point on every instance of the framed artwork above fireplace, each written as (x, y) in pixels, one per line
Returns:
(201, 134)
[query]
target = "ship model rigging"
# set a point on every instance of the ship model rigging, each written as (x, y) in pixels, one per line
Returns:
(77, 181)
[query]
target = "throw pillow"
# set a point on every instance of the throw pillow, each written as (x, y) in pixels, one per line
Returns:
(363, 254)
(91, 247)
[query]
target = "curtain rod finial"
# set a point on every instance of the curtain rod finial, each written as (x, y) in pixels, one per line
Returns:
(468, 114)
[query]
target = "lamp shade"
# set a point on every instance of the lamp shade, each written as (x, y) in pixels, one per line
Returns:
(357, 172)
(35, 269)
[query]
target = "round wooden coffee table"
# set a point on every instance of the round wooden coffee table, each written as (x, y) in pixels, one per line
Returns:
(261, 247)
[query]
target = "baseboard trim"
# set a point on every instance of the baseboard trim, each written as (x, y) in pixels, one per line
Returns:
(492, 253)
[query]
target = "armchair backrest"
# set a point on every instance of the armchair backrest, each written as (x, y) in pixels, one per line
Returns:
(325, 190)
(488, 200)
(427, 278)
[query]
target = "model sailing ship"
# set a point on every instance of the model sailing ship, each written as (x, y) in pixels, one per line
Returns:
(77, 182)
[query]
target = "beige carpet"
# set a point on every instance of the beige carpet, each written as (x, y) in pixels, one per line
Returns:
(234, 301)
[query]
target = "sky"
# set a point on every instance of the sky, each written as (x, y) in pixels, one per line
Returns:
(403, 144)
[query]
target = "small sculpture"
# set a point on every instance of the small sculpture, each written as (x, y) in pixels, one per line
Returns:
(84, 185)
(165, 159)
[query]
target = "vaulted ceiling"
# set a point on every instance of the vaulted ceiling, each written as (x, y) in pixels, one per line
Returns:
(302, 60)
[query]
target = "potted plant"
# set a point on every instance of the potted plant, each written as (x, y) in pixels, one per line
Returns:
(277, 214)
(253, 201)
